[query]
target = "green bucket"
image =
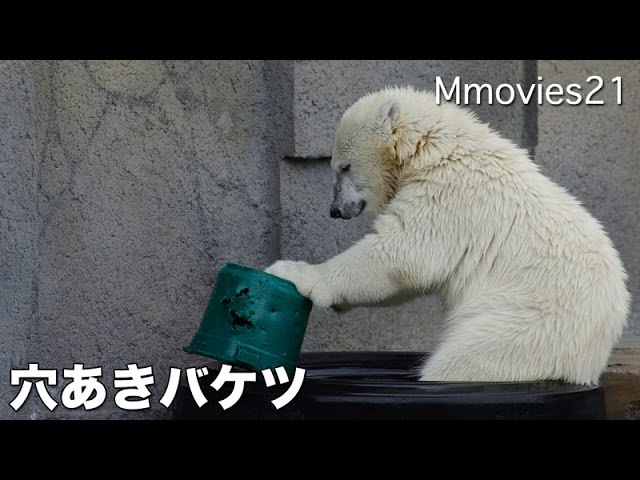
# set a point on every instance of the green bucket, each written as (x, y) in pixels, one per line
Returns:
(253, 319)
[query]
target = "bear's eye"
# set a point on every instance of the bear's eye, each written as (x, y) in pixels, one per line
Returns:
(346, 168)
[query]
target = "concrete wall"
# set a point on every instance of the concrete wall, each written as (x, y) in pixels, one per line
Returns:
(126, 186)
(19, 221)
(594, 151)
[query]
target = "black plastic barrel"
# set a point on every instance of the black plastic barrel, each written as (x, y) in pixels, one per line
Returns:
(383, 385)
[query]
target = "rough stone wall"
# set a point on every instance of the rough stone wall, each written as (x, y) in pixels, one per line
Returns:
(594, 151)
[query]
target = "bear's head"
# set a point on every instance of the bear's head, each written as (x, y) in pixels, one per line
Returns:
(363, 164)
(377, 139)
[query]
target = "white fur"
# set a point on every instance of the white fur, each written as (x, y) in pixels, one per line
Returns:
(533, 285)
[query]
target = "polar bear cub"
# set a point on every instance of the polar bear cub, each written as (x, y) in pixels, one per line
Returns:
(533, 286)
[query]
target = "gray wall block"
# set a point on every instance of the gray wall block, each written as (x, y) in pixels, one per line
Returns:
(325, 89)
(592, 150)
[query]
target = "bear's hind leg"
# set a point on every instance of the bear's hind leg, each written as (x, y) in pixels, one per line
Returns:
(494, 350)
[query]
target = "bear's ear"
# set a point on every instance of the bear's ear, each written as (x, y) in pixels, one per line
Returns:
(389, 115)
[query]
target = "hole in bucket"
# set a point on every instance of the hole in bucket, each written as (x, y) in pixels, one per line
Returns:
(239, 321)
(243, 292)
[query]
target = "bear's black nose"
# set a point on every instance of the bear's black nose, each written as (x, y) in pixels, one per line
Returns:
(335, 212)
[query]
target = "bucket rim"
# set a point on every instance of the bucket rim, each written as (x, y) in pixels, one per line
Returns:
(255, 272)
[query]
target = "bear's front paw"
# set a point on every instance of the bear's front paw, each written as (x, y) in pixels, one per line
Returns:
(301, 274)
(322, 296)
